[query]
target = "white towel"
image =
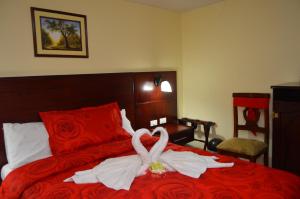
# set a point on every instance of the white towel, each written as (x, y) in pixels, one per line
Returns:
(116, 173)
(83, 177)
(186, 163)
(119, 173)
(189, 163)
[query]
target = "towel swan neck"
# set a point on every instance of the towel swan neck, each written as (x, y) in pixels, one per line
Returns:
(160, 145)
(138, 146)
(141, 150)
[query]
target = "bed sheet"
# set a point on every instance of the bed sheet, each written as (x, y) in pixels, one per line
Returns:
(44, 178)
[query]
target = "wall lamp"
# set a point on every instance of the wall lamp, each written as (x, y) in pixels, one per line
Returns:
(165, 85)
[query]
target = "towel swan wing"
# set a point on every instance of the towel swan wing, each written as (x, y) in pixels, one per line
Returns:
(186, 163)
(191, 164)
(118, 173)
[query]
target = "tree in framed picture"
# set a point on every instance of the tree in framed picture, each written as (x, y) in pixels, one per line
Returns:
(59, 34)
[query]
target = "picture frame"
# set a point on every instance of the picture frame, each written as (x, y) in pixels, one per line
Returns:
(59, 34)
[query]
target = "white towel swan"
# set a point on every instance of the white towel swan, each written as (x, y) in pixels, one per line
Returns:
(185, 162)
(141, 150)
(119, 173)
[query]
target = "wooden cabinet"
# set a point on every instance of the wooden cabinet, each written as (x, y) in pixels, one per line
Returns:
(286, 127)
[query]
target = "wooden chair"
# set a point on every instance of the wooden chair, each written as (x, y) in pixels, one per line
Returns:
(253, 104)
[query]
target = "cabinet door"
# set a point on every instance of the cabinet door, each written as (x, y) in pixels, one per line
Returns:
(290, 124)
(288, 137)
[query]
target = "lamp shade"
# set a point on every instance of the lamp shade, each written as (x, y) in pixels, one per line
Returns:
(165, 86)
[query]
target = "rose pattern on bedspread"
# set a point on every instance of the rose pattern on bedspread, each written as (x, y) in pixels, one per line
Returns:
(176, 189)
(44, 178)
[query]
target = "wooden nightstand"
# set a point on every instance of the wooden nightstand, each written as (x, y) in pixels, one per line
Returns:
(179, 134)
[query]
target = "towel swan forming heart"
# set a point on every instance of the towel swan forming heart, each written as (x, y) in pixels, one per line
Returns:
(119, 173)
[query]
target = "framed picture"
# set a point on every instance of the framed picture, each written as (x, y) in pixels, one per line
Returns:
(59, 34)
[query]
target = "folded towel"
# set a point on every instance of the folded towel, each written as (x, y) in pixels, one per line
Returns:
(83, 177)
(119, 173)
(189, 163)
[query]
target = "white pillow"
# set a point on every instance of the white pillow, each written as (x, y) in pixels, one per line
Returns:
(25, 143)
(126, 123)
(5, 171)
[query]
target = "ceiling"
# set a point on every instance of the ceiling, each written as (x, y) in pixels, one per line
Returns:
(176, 5)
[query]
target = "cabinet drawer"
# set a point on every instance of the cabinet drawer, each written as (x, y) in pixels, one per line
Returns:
(287, 95)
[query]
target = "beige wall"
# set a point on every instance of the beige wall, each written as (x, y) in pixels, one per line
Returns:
(237, 46)
(122, 37)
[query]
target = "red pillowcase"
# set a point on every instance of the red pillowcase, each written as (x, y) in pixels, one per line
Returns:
(75, 129)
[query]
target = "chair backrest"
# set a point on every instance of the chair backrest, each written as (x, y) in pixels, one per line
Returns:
(252, 103)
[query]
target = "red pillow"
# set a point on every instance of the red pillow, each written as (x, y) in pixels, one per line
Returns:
(74, 129)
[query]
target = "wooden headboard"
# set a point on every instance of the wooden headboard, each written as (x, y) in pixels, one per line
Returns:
(21, 98)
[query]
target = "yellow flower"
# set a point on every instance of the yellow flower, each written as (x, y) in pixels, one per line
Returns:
(157, 167)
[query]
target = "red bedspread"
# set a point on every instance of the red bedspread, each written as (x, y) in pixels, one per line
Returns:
(44, 179)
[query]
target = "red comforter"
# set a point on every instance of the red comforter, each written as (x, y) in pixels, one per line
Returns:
(44, 179)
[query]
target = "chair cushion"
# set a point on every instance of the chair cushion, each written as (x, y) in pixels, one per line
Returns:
(243, 146)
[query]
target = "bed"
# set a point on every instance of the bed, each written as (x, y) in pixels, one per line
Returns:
(22, 98)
